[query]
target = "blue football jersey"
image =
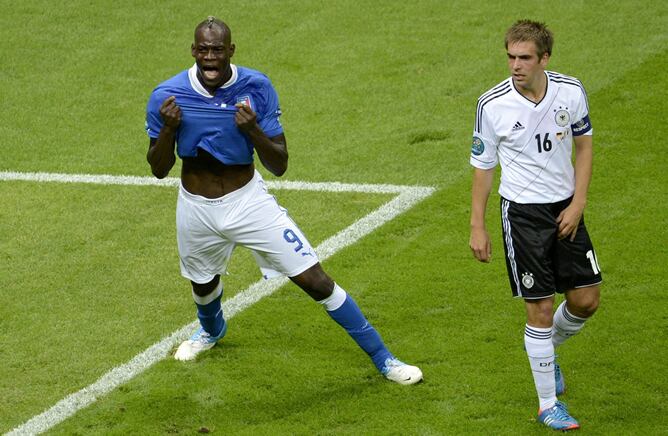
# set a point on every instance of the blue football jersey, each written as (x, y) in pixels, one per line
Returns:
(207, 121)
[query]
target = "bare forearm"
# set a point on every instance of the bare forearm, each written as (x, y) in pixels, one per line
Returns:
(272, 152)
(583, 169)
(479, 242)
(160, 154)
(482, 186)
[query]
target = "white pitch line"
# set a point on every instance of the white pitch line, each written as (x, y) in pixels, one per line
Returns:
(98, 179)
(67, 407)
(106, 179)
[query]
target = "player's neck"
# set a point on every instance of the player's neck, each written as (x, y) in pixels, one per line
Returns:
(534, 91)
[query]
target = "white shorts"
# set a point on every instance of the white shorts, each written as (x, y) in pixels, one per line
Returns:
(207, 230)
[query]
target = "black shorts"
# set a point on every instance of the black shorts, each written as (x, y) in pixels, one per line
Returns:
(539, 264)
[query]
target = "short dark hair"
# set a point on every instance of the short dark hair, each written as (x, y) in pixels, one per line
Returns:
(213, 22)
(527, 30)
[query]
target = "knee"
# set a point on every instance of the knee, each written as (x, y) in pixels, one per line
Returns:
(204, 289)
(586, 305)
(539, 312)
(315, 282)
(586, 309)
(541, 318)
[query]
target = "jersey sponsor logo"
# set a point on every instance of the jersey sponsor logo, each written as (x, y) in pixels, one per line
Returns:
(527, 280)
(245, 100)
(478, 147)
(518, 126)
(562, 117)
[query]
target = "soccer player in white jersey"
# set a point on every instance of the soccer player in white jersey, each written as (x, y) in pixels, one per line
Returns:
(214, 115)
(528, 123)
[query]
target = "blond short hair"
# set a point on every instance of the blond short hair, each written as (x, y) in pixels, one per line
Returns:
(527, 30)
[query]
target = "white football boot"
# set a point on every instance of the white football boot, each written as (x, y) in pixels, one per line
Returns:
(198, 342)
(400, 372)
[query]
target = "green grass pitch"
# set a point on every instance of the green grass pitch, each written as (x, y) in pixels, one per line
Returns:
(372, 92)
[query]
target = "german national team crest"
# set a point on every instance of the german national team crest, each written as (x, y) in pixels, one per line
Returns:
(246, 101)
(527, 280)
(562, 118)
(478, 147)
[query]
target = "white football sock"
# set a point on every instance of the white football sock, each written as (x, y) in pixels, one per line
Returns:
(565, 325)
(539, 348)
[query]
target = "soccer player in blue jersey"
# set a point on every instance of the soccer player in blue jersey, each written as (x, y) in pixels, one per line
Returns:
(529, 123)
(214, 116)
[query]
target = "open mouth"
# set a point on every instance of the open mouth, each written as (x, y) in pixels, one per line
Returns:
(209, 72)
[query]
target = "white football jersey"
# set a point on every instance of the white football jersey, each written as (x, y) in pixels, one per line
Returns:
(533, 141)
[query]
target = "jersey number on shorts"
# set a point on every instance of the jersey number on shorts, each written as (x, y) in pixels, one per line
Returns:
(292, 238)
(545, 144)
(594, 262)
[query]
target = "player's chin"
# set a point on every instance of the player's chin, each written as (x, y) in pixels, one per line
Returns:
(212, 79)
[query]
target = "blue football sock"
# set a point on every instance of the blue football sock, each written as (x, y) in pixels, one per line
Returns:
(210, 311)
(349, 316)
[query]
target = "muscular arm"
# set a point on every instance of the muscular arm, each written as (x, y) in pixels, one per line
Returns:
(570, 217)
(160, 153)
(273, 152)
(479, 242)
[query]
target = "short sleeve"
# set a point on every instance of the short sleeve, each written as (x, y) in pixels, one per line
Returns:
(484, 145)
(154, 122)
(582, 124)
(269, 119)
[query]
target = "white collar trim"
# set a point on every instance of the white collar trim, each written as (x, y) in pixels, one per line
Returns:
(197, 86)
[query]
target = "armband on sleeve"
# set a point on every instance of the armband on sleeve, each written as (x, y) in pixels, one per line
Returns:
(581, 127)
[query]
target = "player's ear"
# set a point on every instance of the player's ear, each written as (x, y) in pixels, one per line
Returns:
(545, 59)
(192, 49)
(232, 48)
